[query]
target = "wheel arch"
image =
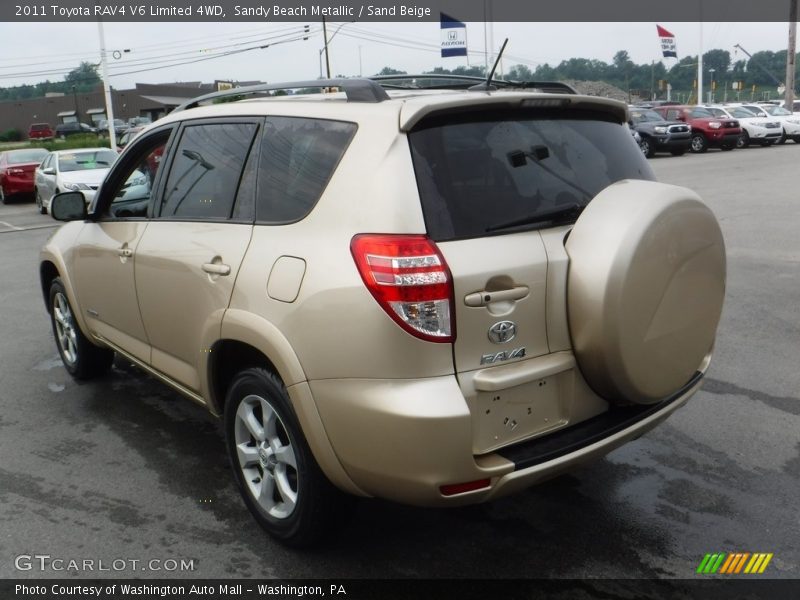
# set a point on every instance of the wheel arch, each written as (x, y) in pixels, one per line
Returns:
(47, 273)
(262, 347)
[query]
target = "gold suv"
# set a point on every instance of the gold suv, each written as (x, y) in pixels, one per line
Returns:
(434, 297)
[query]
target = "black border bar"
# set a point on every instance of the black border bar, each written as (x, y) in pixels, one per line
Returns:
(308, 11)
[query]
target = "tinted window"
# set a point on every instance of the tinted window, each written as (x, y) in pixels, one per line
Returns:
(476, 174)
(206, 170)
(298, 157)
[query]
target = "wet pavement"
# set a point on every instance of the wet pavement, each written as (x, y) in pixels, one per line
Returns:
(125, 469)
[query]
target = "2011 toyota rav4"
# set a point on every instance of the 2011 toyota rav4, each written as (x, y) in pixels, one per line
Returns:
(435, 297)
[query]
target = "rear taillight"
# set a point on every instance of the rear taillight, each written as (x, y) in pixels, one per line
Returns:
(409, 278)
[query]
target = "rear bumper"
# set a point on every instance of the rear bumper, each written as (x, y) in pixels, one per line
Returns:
(403, 440)
(14, 184)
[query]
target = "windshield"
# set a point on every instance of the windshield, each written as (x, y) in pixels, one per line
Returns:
(741, 113)
(776, 111)
(18, 157)
(83, 161)
(487, 171)
(703, 113)
(641, 116)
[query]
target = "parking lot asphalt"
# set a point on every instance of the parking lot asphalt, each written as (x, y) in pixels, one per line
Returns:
(124, 468)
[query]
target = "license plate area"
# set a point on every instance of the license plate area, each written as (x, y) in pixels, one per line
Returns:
(506, 416)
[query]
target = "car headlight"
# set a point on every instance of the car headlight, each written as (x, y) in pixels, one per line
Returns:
(715, 124)
(76, 186)
(793, 121)
(660, 129)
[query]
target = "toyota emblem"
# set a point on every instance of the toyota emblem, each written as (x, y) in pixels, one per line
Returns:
(502, 332)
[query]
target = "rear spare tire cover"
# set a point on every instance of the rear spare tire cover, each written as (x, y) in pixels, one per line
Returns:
(645, 289)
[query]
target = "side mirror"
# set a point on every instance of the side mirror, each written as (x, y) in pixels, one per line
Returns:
(49, 171)
(68, 206)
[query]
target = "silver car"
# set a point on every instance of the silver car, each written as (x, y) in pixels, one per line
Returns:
(71, 170)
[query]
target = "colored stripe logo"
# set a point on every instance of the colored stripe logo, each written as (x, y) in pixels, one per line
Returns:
(734, 563)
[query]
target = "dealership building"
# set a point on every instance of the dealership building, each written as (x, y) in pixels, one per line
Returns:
(145, 100)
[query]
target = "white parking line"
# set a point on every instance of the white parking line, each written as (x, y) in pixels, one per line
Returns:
(10, 226)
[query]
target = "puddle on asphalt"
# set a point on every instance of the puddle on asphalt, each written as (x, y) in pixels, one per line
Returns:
(50, 363)
(56, 387)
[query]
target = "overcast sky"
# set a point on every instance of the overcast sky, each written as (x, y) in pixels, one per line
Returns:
(37, 48)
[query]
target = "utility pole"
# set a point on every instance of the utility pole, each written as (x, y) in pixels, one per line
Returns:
(112, 132)
(327, 58)
(790, 56)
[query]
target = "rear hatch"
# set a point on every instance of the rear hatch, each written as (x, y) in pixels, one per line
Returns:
(500, 188)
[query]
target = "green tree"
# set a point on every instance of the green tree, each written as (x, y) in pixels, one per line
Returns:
(84, 77)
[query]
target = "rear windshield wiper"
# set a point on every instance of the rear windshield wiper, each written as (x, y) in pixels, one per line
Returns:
(565, 212)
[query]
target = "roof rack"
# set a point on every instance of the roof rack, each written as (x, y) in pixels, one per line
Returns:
(464, 82)
(356, 90)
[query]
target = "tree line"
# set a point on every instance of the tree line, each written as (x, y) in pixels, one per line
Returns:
(762, 70)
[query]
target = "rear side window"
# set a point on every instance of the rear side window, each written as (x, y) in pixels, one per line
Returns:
(298, 157)
(479, 172)
(206, 170)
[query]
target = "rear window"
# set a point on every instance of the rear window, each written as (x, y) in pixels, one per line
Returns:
(478, 172)
(39, 126)
(18, 157)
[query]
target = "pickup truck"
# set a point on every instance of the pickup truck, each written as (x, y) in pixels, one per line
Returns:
(708, 131)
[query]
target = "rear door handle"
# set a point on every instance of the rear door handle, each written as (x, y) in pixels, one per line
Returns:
(125, 252)
(216, 269)
(486, 297)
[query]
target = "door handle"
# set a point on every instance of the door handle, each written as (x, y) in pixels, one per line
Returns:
(125, 252)
(216, 269)
(487, 297)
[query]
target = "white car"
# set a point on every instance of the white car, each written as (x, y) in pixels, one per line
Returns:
(765, 131)
(795, 106)
(71, 170)
(789, 121)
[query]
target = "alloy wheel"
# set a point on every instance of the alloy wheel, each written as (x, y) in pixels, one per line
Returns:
(266, 456)
(65, 328)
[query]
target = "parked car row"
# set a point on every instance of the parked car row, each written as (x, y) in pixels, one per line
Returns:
(676, 128)
(44, 131)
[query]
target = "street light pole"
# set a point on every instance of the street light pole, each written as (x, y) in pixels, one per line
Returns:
(711, 88)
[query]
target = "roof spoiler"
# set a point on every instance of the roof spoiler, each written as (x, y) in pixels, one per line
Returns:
(446, 81)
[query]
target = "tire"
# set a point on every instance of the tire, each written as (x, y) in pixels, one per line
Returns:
(277, 475)
(39, 204)
(647, 147)
(782, 139)
(699, 143)
(645, 290)
(677, 152)
(3, 196)
(743, 141)
(82, 359)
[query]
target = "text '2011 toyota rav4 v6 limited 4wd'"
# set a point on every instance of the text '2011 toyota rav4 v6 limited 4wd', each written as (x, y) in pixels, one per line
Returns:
(435, 297)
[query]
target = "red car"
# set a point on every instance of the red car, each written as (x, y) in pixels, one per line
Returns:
(16, 171)
(708, 131)
(40, 131)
